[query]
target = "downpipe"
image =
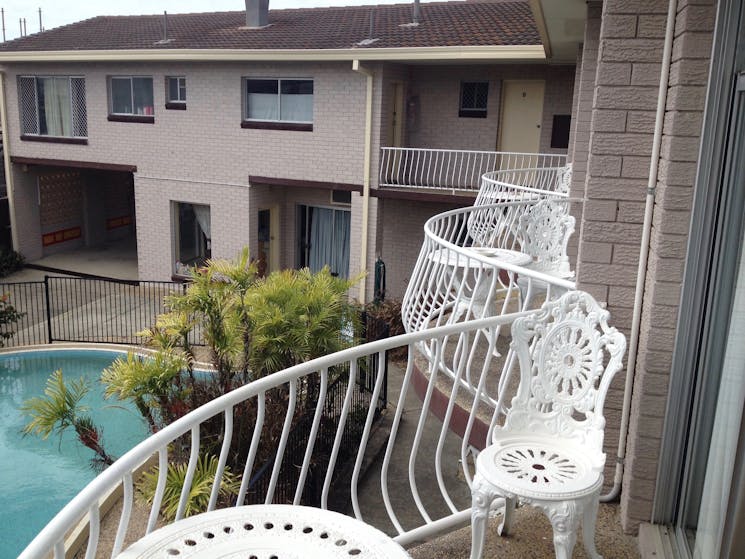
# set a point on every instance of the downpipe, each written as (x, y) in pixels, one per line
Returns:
(641, 274)
(357, 67)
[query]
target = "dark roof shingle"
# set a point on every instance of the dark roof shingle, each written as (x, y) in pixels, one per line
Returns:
(441, 24)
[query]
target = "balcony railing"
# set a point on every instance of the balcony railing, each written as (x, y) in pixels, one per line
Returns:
(456, 170)
(469, 284)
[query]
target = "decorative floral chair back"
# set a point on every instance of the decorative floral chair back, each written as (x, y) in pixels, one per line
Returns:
(543, 232)
(565, 179)
(568, 356)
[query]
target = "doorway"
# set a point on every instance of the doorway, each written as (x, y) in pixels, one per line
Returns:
(267, 253)
(324, 239)
(521, 116)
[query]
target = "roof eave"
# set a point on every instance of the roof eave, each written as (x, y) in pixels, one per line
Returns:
(492, 52)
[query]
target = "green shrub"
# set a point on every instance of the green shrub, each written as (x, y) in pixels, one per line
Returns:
(10, 261)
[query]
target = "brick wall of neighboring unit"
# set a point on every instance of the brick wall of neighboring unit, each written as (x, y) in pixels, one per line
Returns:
(433, 94)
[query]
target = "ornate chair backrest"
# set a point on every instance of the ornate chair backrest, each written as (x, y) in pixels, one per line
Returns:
(568, 356)
(544, 232)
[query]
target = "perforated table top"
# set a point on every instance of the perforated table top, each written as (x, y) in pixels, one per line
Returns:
(266, 532)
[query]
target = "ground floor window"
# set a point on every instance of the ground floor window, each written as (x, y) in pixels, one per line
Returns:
(324, 239)
(192, 235)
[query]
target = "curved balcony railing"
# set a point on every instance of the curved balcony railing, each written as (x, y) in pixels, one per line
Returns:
(404, 480)
(452, 169)
(484, 260)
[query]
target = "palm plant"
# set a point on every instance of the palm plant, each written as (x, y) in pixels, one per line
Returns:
(151, 383)
(199, 492)
(61, 408)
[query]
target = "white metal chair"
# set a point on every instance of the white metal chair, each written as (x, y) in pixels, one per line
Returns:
(543, 233)
(549, 452)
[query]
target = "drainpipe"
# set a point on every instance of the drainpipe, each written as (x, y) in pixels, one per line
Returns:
(365, 171)
(641, 274)
(6, 162)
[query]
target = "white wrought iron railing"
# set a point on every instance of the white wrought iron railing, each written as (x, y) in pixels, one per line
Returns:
(456, 170)
(524, 184)
(436, 503)
(469, 284)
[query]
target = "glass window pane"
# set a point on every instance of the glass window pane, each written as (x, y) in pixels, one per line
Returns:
(55, 117)
(173, 89)
(182, 89)
(261, 97)
(297, 100)
(121, 95)
(142, 89)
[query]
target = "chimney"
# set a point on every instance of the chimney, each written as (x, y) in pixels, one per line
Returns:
(257, 13)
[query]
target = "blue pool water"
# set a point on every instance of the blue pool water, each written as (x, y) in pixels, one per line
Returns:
(37, 477)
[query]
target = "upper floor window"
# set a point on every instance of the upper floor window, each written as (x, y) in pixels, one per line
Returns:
(52, 106)
(473, 98)
(131, 98)
(278, 103)
(175, 92)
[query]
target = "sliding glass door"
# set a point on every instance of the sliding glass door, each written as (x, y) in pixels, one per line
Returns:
(324, 239)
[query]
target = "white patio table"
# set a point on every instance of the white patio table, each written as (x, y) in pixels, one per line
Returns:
(266, 532)
(481, 305)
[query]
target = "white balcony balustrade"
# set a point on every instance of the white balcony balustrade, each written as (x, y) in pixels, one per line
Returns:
(455, 170)
(439, 502)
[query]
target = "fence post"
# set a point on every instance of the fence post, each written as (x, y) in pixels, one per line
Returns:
(48, 303)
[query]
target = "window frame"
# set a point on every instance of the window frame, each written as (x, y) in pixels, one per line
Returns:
(129, 117)
(473, 112)
(74, 124)
(274, 124)
(176, 104)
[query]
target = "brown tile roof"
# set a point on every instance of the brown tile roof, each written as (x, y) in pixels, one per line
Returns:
(470, 23)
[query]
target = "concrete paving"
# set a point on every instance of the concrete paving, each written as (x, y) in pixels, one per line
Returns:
(115, 259)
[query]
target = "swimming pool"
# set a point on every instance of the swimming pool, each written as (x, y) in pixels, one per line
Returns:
(37, 477)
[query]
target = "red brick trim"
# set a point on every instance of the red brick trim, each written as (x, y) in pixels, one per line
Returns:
(53, 139)
(70, 163)
(273, 181)
(115, 222)
(263, 125)
(61, 236)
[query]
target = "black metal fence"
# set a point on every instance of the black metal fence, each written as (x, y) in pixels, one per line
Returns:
(71, 309)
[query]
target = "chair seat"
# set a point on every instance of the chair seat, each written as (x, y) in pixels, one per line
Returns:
(539, 468)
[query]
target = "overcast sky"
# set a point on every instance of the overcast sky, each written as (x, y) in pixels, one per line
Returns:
(61, 12)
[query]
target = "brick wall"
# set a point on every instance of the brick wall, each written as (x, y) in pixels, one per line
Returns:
(621, 129)
(678, 161)
(435, 95)
(402, 239)
(229, 211)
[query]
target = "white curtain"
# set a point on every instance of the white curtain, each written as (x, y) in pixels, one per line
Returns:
(321, 238)
(340, 252)
(727, 421)
(263, 106)
(297, 107)
(58, 118)
(203, 218)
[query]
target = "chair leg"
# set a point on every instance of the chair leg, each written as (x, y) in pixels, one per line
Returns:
(564, 517)
(505, 528)
(482, 495)
(589, 517)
